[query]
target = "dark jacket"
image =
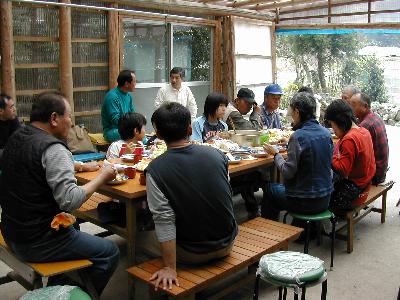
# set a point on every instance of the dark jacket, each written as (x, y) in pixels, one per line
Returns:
(307, 171)
(27, 201)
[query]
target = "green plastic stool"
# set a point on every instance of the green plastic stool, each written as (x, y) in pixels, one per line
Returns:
(325, 215)
(57, 292)
(287, 269)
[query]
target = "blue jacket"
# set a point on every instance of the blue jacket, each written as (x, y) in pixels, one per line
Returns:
(198, 126)
(307, 170)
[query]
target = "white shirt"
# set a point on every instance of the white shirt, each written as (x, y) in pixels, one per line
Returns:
(183, 96)
(114, 149)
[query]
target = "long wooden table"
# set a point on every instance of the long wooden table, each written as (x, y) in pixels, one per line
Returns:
(131, 192)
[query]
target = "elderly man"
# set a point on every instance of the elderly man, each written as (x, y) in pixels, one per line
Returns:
(189, 196)
(348, 92)
(361, 105)
(272, 98)
(38, 184)
(177, 91)
(8, 120)
(241, 106)
(117, 102)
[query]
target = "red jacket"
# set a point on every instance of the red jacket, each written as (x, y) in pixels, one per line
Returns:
(355, 160)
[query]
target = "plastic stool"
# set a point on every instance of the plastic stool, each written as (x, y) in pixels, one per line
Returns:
(325, 215)
(287, 269)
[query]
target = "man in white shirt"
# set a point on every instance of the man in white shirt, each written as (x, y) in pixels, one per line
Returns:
(176, 91)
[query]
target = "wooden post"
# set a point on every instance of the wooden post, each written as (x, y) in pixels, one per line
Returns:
(66, 80)
(329, 11)
(217, 63)
(273, 53)
(113, 46)
(229, 61)
(369, 11)
(7, 50)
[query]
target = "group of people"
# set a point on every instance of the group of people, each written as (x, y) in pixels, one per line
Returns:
(189, 192)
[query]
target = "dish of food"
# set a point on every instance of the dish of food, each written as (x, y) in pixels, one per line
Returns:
(140, 166)
(233, 159)
(119, 179)
(128, 157)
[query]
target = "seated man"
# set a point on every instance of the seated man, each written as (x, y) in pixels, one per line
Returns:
(8, 120)
(177, 91)
(272, 99)
(189, 196)
(38, 184)
(307, 171)
(348, 92)
(240, 107)
(361, 105)
(117, 102)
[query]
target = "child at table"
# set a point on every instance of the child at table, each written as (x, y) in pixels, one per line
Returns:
(131, 127)
(210, 124)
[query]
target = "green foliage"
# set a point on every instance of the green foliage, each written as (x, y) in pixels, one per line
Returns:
(371, 80)
(288, 93)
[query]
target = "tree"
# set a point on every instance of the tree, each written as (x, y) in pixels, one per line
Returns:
(371, 79)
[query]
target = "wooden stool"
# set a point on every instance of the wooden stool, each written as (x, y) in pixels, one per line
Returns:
(287, 269)
(325, 215)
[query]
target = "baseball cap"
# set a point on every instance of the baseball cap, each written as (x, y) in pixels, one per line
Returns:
(273, 89)
(246, 94)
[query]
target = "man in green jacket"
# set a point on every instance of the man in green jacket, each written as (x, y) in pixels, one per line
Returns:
(117, 102)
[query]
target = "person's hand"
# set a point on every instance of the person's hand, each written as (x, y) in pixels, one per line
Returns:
(108, 172)
(271, 150)
(130, 148)
(256, 108)
(283, 141)
(91, 166)
(165, 278)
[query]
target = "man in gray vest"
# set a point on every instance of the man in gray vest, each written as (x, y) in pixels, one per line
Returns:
(39, 183)
(189, 195)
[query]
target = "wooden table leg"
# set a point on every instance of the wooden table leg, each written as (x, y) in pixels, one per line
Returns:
(131, 242)
(383, 212)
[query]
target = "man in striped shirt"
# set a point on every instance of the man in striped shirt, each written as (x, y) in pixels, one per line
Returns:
(269, 109)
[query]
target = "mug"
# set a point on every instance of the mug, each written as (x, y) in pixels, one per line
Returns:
(130, 172)
(142, 179)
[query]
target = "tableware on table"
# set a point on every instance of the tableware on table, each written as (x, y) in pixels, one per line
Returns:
(130, 158)
(122, 150)
(130, 172)
(142, 179)
(233, 159)
(120, 179)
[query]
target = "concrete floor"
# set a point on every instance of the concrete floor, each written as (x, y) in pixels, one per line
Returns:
(370, 272)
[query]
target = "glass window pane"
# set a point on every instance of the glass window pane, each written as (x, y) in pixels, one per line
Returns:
(192, 51)
(145, 51)
(253, 71)
(252, 39)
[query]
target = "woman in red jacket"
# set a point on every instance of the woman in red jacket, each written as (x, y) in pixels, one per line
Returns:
(353, 160)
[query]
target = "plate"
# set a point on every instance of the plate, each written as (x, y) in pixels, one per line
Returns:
(128, 157)
(116, 182)
(234, 162)
(260, 154)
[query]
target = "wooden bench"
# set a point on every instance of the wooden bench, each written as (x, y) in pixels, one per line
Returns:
(354, 216)
(255, 238)
(30, 275)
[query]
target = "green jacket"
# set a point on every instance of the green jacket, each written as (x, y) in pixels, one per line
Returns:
(116, 103)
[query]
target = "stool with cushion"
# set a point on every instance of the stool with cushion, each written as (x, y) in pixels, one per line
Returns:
(287, 269)
(325, 215)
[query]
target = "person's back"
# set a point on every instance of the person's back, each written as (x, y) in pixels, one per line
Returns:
(356, 161)
(313, 177)
(194, 178)
(374, 124)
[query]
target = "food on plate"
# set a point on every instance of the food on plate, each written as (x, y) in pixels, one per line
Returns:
(64, 219)
(128, 157)
(140, 166)
(277, 135)
(157, 149)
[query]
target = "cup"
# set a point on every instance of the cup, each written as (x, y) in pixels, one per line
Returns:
(130, 172)
(264, 138)
(139, 150)
(142, 179)
(123, 148)
(137, 158)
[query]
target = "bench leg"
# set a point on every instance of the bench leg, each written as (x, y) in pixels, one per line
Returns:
(256, 287)
(303, 293)
(383, 212)
(333, 233)
(350, 232)
(324, 289)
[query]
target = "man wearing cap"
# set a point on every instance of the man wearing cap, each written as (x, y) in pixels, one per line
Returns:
(241, 106)
(247, 183)
(269, 113)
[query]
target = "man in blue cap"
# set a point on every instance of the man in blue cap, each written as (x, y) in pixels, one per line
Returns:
(269, 113)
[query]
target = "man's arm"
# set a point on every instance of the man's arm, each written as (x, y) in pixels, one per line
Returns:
(159, 99)
(164, 220)
(240, 122)
(60, 175)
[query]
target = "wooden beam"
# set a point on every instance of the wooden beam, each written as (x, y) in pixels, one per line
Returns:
(229, 61)
(36, 66)
(282, 4)
(113, 47)
(321, 5)
(273, 53)
(329, 11)
(217, 57)
(7, 50)
(369, 11)
(250, 2)
(87, 113)
(66, 80)
(339, 26)
(35, 39)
